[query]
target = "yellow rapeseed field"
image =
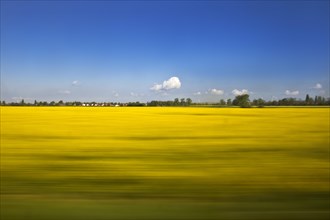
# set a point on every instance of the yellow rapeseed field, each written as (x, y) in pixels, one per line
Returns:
(164, 163)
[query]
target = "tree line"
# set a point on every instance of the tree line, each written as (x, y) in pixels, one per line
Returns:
(175, 102)
(244, 102)
(240, 100)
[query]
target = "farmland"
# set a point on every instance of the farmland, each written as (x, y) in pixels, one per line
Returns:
(164, 163)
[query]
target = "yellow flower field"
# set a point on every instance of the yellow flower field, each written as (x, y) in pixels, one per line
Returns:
(164, 163)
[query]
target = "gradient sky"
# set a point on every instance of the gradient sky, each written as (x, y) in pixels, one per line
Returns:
(118, 51)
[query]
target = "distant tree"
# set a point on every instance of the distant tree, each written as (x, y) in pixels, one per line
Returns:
(323, 101)
(229, 102)
(307, 99)
(152, 103)
(79, 103)
(176, 101)
(60, 103)
(135, 104)
(222, 102)
(189, 101)
(182, 101)
(318, 100)
(260, 103)
(242, 100)
(327, 102)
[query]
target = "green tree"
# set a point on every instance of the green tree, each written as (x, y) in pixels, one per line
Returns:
(307, 99)
(260, 102)
(189, 101)
(60, 103)
(242, 100)
(176, 101)
(182, 101)
(222, 102)
(229, 102)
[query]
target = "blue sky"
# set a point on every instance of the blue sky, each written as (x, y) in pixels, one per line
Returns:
(143, 50)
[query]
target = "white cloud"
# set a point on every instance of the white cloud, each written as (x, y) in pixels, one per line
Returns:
(171, 83)
(197, 93)
(65, 92)
(317, 86)
(76, 83)
(216, 91)
(157, 87)
(294, 93)
(237, 92)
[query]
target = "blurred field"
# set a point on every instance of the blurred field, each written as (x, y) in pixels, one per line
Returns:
(164, 163)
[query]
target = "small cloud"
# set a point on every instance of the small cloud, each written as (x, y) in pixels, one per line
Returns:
(237, 92)
(75, 83)
(171, 83)
(216, 91)
(317, 86)
(197, 93)
(157, 87)
(294, 93)
(65, 92)
(133, 94)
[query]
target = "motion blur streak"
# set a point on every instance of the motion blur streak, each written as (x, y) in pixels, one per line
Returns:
(164, 163)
